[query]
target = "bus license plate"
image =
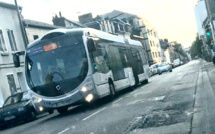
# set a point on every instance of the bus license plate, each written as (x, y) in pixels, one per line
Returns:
(9, 118)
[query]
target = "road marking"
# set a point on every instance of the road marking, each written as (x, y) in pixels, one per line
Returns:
(144, 92)
(64, 131)
(117, 100)
(144, 100)
(94, 114)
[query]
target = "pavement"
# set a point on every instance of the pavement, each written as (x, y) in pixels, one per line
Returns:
(180, 102)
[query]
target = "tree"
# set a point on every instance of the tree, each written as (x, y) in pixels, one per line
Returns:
(178, 48)
(195, 49)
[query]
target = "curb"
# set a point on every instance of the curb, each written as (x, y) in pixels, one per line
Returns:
(204, 108)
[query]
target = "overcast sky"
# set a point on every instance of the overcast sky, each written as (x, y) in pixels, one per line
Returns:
(173, 19)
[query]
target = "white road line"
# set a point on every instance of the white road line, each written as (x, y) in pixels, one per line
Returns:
(94, 114)
(64, 131)
(144, 100)
(117, 100)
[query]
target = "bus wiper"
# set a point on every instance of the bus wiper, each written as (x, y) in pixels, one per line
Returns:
(28, 73)
(30, 80)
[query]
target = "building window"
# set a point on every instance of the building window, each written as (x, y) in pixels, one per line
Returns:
(156, 54)
(2, 42)
(35, 37)
(138, 24)
(151, 43)
(159, 54)
(124, 20)
(12, 40)
(148, 31)
(131, 22)
(116, 27)
(155, 34)
(153, 54)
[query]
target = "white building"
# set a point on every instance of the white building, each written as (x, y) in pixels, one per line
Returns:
(11, 40)
(152, 39)
(36, 29)
(201, 15)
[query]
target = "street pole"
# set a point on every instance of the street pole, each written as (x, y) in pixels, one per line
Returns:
(21, 25)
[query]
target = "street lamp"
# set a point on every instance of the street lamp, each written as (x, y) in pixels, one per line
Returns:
(21, 25)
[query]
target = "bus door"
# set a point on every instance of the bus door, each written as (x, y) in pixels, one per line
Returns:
(135, 62)
(116, 62)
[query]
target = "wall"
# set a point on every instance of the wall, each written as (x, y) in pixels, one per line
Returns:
(9, 20)
(30, 31)
(167, 55)
(210, 4)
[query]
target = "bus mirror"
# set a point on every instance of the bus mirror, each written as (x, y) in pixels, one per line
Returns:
(91, 45)
(16, 60)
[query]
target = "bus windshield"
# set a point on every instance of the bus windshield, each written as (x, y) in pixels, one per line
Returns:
(56, 66)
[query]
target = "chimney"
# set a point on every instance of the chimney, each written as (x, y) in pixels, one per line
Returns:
(60, 14)
(85, 18)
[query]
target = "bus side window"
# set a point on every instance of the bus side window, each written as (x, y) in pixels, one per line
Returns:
(138, 60)
(100, 58)
(143, 57)
(136, 55)
(124, 57)
(115, 58)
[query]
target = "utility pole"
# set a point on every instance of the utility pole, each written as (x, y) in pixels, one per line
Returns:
(21, 25)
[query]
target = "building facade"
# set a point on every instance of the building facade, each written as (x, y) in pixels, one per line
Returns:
(205, 18)
(210, 6)
(11, 41)
(107, 24)
(201, 15)
(129, 26)
(152, 41)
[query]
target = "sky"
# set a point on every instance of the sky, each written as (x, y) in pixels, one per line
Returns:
(173, 19)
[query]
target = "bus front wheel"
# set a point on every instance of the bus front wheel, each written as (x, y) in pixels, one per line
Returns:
(62, 110)
(112, 91)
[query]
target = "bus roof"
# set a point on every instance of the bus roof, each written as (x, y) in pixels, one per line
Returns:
(91, 32)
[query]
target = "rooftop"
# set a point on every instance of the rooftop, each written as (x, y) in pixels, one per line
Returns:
(118, 14)
(9, 6)
(75, 22)
(33, 23)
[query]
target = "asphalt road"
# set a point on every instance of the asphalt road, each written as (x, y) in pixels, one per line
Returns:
(164, 105)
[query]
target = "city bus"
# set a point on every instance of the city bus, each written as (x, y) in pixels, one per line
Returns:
(67, 67)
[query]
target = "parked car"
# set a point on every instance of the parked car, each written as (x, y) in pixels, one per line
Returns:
(15, 108)
(154, 69)
(172, 65)
(177, 62)
(164, 67)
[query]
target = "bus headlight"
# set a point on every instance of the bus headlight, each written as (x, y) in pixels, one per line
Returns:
(84, 89)
(40, 108)
(39, 100)
(89, 98)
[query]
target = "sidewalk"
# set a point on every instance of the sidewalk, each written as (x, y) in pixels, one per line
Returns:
(204, 107)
